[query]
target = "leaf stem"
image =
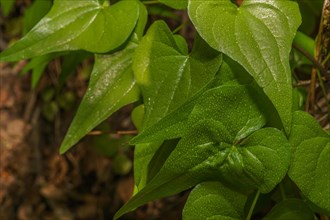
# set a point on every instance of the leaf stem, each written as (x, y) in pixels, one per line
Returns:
(282, 190)
(151, 2)
(253, 205)
(310, 58)
(180, 27)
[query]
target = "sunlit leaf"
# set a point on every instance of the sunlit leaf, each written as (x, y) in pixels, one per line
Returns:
(167, 76)
(77, 25)
(258, 35)
(111, 86)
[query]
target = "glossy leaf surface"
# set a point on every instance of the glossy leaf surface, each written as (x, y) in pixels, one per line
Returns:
(77, 25)
(174, 124)
(291, 209)
(258, 35)
(310, 160)
(111, 86)
(213, 200)
(214, 149)
(167, 76)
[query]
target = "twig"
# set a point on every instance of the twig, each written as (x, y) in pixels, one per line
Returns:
(311, 58)
(321, 51)
(96, 133)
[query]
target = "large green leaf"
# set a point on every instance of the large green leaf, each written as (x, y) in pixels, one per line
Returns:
(291, 209)
(217, 150)
(311, 159)
(73, 25)
(111, 86)
(213, 200)
(174, 124)
(258, 35)
(177, 4)
(167, 76)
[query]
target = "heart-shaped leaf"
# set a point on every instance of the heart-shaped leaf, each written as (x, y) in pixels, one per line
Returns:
(77, 25)
(210, 150)
(310, 160)
(167, 76)
(213, 200)
(258, 35)
(111, 86)
(290, 209)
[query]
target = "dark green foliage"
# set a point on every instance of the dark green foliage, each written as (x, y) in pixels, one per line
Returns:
(220, 118)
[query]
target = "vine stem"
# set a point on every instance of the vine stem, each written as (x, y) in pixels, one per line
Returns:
(320, 51)
(151, 2)
(253, 205)
(180, 27)
(282, 191)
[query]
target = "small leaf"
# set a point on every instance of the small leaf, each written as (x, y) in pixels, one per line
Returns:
(7, 6)
(310, 160)
(258, 35)
(213, 200)
(70, 63)
(176, 4)
(111, 87)
(77, 25)
(38, 65)
(290, 209)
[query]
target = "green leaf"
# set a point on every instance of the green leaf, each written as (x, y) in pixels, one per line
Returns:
(174, 124)
(6, 6)
(77, 25)
(38, 65)
(258, 35)
(290, 209)
(70, 63)
(167, 77)
(137, 116)
(304, 127)
(176, 4)
(111, 86)
(171, 126)
(34, 13)
(210, 150)
(213, 200)
(310, 160)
